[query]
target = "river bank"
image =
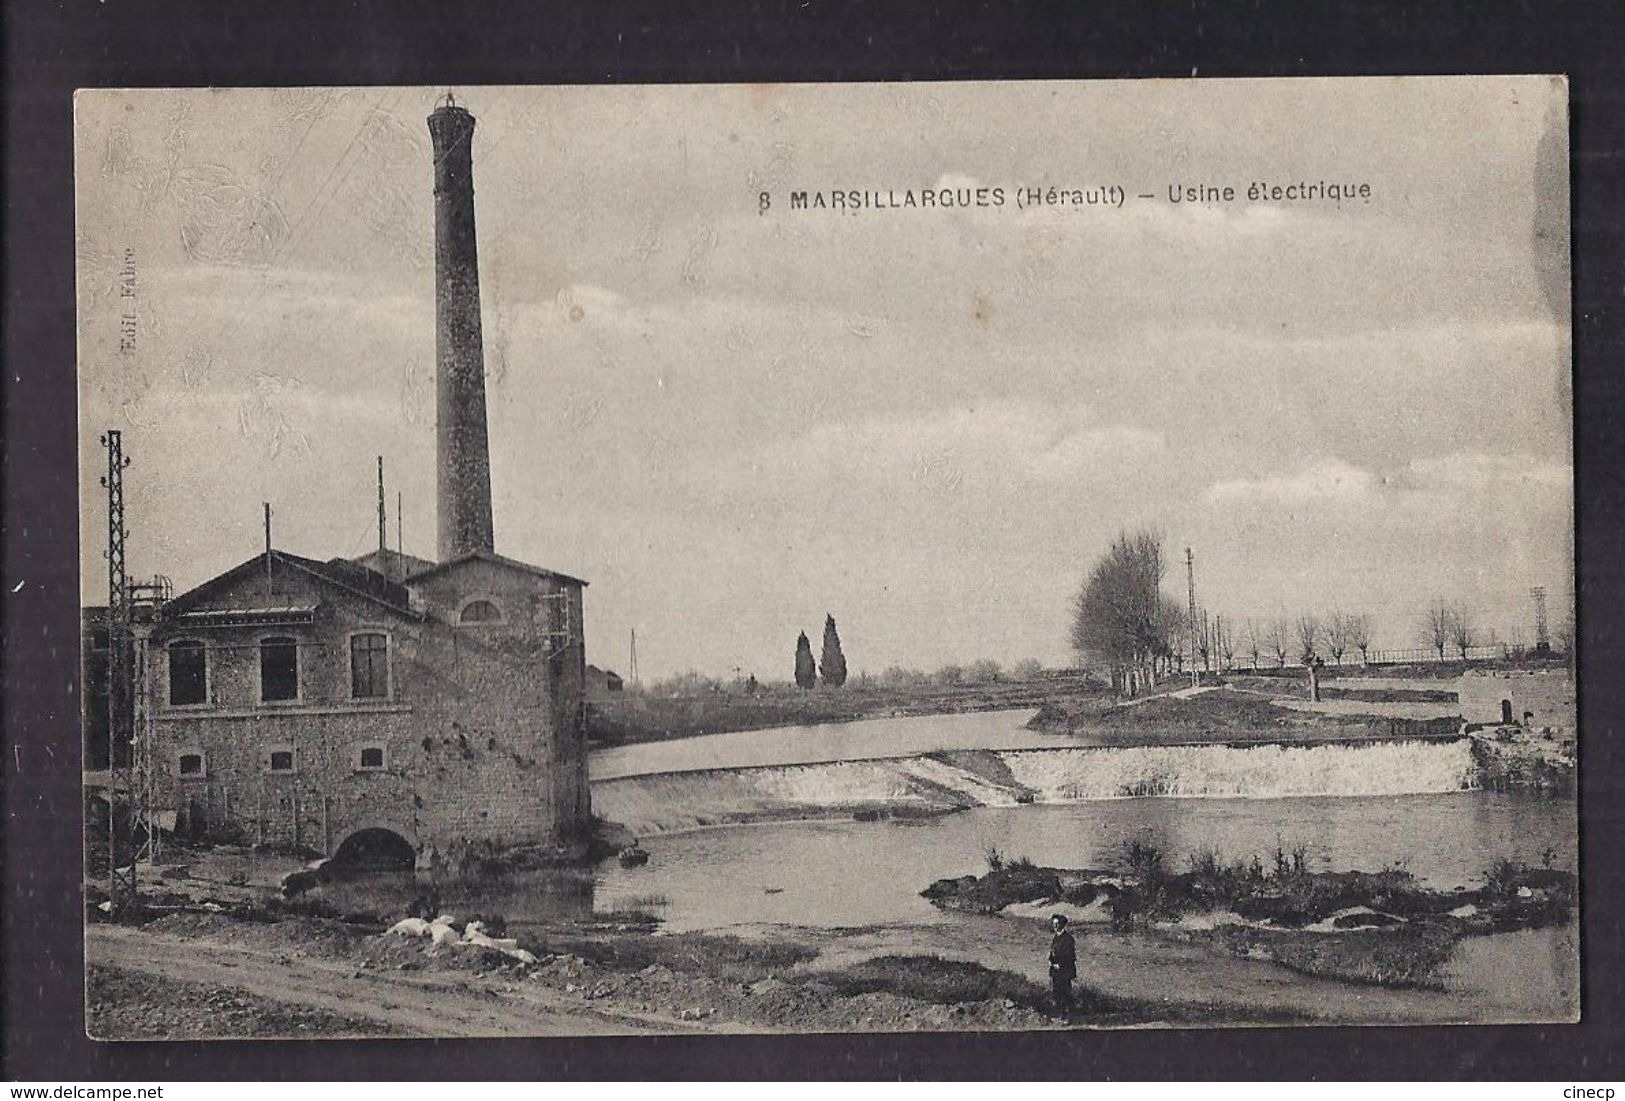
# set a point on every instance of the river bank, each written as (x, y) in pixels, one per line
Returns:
(192, 975)
(1371, 928)
(632, 718)
(1233, 714)
(208, 975)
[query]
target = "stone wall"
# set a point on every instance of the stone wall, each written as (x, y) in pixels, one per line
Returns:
(1546, 695)
(480, 732)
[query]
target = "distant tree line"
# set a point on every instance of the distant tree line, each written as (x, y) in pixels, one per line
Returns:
(1125, 626)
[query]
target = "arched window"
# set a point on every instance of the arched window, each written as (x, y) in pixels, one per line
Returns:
(369, 666)
(188, 672)
(480, 611)
(279, 668)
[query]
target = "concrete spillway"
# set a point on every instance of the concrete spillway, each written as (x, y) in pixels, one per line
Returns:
(950, 780)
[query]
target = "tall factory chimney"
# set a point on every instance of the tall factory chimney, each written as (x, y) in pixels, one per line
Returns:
(463, 479)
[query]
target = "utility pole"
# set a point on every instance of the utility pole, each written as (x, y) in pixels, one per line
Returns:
(632, 659)
(121, 885)
(1190, 584)
(1543, 638)
(383, 520)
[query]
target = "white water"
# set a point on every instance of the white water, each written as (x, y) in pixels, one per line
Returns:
(683, 800)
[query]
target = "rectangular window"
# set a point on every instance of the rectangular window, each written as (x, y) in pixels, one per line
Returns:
(188, 672)
(369, 666)
(281, 760)
(279, 669)
(191, 764)
(372, 756)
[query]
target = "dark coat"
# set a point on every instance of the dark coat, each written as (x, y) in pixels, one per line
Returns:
(1063, 956)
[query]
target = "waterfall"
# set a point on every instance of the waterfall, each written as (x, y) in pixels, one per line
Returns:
(968, 778)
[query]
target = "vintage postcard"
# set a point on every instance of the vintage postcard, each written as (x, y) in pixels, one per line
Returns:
(809, 558)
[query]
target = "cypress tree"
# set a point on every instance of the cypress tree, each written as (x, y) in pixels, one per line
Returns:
(806, 672)
(833, 667)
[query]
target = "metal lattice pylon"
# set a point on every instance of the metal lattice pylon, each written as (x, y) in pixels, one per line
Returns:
(120, 689)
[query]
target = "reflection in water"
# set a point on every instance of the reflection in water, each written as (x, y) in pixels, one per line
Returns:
(519, 898)
(845, 873)
(842, 873)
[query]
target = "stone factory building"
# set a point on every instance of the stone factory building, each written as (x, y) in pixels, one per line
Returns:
(384, 704)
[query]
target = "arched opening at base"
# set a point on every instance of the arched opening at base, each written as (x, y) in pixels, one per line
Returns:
(376, 850)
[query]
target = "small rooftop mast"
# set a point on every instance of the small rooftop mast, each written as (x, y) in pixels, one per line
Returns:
(383, 518)
(267, 506)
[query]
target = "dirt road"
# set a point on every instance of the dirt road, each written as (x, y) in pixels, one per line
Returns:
(405, 1003)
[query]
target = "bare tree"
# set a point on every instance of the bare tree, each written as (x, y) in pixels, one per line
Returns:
(1360, 635)
(1227, 642)
(1338, 634)
(1276, 638)
(1435, 631)
(1173, 631)
(1253, 640)
(1462, 630)
(1307, 631)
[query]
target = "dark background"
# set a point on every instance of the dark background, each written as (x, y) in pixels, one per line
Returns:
(53, 47)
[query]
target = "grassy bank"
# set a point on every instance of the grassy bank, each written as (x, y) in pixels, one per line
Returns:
(636, 717)
(1218, 716)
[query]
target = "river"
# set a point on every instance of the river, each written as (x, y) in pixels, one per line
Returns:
(846, 873)
(835, 872)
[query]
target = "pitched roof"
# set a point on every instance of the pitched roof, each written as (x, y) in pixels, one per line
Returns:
(496, 560)
(338, 572)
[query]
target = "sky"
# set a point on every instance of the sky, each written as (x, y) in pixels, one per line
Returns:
(928, 423)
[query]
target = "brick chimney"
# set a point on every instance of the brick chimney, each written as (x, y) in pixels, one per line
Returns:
(463, 471)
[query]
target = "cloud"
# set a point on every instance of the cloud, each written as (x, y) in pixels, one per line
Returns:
(1480, 471)
(1435, 483)
(1332, 481)
(1014, 439)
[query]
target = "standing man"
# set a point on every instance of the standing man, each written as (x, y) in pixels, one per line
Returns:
(1063, 965)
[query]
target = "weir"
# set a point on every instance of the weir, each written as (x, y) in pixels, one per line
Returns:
(952, 780)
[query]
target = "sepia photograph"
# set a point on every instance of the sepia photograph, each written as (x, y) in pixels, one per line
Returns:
(843, 558)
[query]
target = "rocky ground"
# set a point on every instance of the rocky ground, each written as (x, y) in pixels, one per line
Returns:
(190, 975)
(138, 1005)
